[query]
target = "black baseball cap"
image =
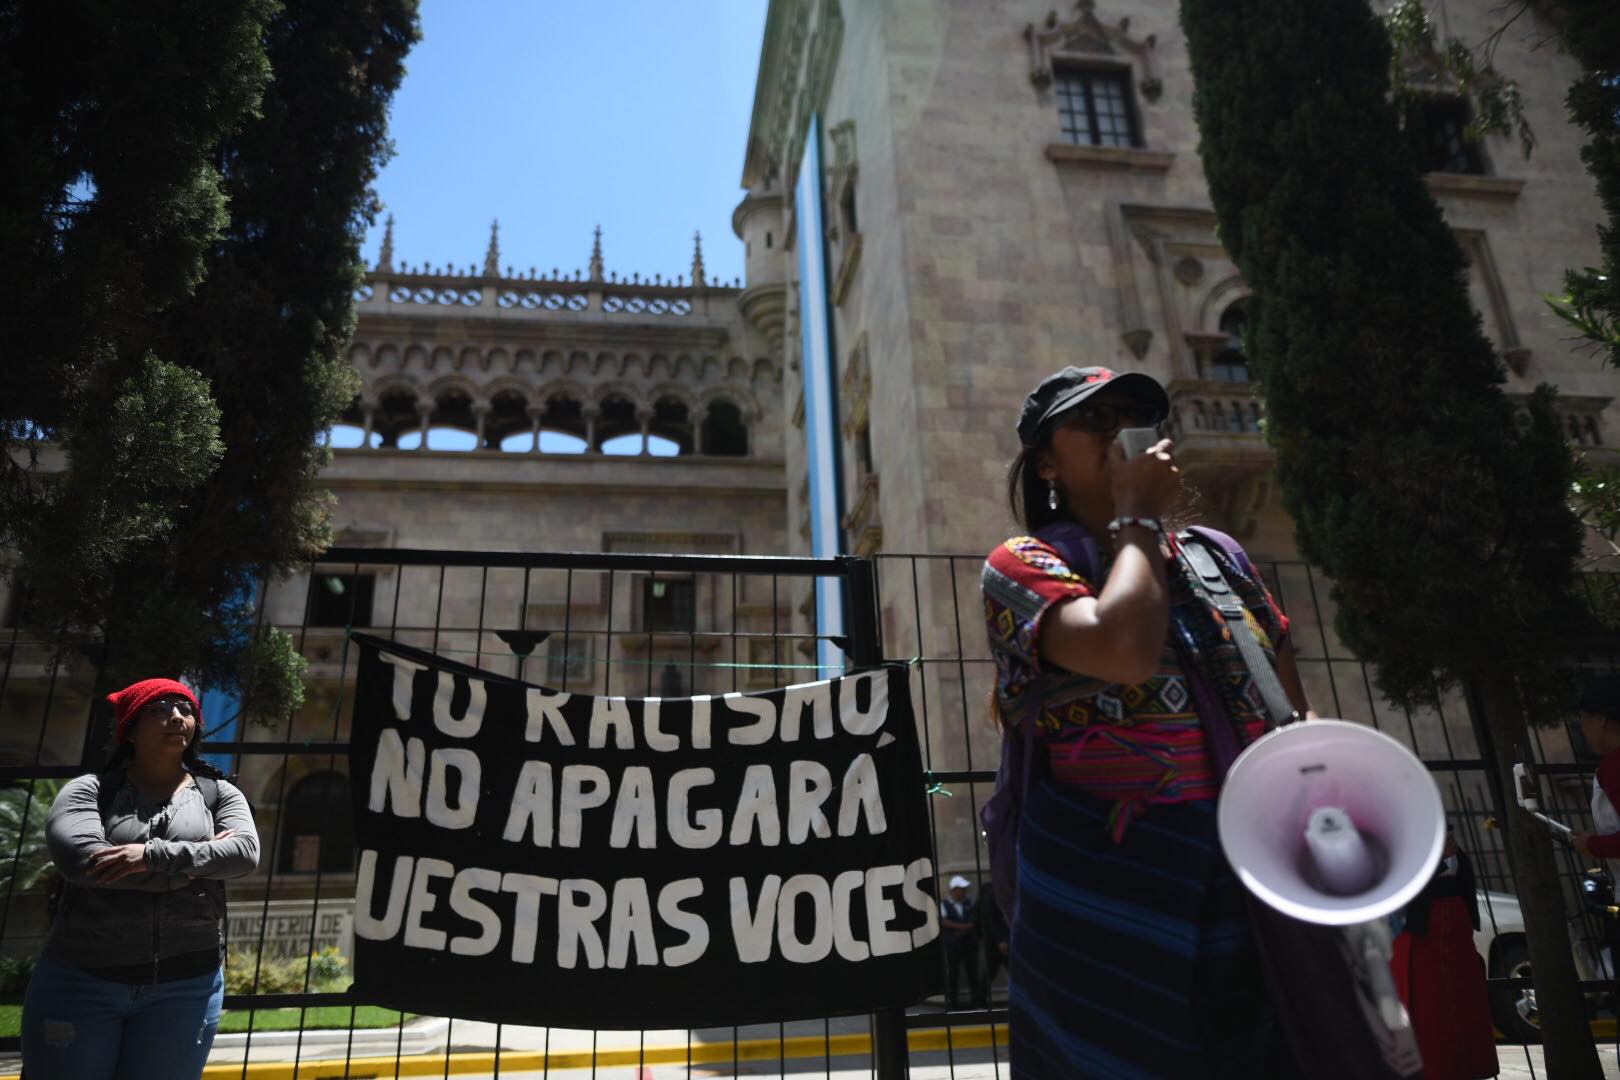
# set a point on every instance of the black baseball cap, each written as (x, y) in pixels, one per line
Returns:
(1601, 696)
(1061, 392)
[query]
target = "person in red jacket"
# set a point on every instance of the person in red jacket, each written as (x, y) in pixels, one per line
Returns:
(1600, 723)
(1441, 978)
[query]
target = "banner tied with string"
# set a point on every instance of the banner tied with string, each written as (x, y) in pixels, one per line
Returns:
(532, 856)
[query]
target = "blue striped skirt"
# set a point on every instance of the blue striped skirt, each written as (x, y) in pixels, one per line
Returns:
(1133, 959)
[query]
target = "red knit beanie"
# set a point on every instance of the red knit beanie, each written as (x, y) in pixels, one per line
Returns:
(128, 702)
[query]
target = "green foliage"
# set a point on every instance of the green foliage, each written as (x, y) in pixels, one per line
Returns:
(187, 186)
(327, 970)
(328, 967)
(15, 971)
(342, 1017)
(1419, 64)
(1590, 32)
(1439, 514)
(1595, 493)
(25, 861)
(1588, 306)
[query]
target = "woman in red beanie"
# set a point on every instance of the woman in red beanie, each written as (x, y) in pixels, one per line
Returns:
(130, 981)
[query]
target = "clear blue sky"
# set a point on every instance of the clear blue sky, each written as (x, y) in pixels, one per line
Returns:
(554, 116)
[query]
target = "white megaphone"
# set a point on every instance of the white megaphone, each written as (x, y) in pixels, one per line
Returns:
(1331, 822)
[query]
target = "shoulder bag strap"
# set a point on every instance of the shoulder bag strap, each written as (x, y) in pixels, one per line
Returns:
(1206, 578)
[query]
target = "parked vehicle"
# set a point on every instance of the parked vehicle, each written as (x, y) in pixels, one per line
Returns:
(1501, 943)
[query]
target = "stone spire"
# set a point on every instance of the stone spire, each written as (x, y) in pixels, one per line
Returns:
(698, 279)
(492, 256)
(596, 256)
(385, 254)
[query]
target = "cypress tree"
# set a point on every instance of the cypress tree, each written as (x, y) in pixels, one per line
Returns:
(1437, 508)
(183, 237)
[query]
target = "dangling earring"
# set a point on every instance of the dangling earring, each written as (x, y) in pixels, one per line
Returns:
(1051, 495)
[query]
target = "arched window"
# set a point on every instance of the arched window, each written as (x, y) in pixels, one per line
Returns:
(317, 830)
(396, 416)
(451, 427)
(614, 419)
(1231, 364)
(671, 425)
(724, 432)
(507, 425)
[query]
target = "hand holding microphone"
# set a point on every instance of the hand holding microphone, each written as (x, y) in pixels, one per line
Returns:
(1145, 479)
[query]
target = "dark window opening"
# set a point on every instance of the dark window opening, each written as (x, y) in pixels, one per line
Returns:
(863, 452)
(1436, 129)
(767, 241)
(846, 209)
(724, 433)
(1096, 107)
(616, 417)
(1231, 364)
(396, 414)
(563, 414)
(317, 830)
(15, 609)
(668, 605)
(670, 683)
(454, 410)
(508, 416)
(568, 664)
(672, 421)
(341, 599)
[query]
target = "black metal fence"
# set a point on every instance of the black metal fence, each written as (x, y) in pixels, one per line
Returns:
(653, 625)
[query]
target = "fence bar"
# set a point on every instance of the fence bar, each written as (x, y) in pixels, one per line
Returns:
(890, 1052)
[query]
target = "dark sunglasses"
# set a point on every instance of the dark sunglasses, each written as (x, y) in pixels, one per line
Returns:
(1102, 417)
(163, 708)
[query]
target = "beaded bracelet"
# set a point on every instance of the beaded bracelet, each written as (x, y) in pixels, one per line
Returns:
(1151, 524)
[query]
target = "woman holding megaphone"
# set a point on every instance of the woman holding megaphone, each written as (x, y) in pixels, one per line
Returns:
(1133, 950)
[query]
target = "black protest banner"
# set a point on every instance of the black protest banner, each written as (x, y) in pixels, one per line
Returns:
(537, 857)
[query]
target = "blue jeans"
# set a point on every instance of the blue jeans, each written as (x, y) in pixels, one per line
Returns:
(78, 1027)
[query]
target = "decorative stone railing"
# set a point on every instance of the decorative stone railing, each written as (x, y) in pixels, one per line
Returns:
(1580, 415)
(1231, 413)
(1210, 407)
(653, 297)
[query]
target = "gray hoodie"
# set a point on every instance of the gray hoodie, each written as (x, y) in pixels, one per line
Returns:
(175, 907)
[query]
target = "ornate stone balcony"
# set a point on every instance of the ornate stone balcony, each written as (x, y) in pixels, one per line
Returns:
(1217, 424)
(1220, 448)
(1582, 416)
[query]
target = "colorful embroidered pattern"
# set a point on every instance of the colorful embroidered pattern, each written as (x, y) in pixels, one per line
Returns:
(1134, 745)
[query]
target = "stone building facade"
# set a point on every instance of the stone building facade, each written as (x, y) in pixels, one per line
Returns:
(1008, 189)
(1011, 188)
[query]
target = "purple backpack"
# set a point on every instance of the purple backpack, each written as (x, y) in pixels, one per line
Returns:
(1001, 814)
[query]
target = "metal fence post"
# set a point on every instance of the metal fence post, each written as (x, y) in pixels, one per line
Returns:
(890, 1052)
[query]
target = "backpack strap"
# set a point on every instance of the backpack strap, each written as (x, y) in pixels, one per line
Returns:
(108, 784)
(208, 787)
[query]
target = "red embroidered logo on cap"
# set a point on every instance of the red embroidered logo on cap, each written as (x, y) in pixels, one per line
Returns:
(1103, 375)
